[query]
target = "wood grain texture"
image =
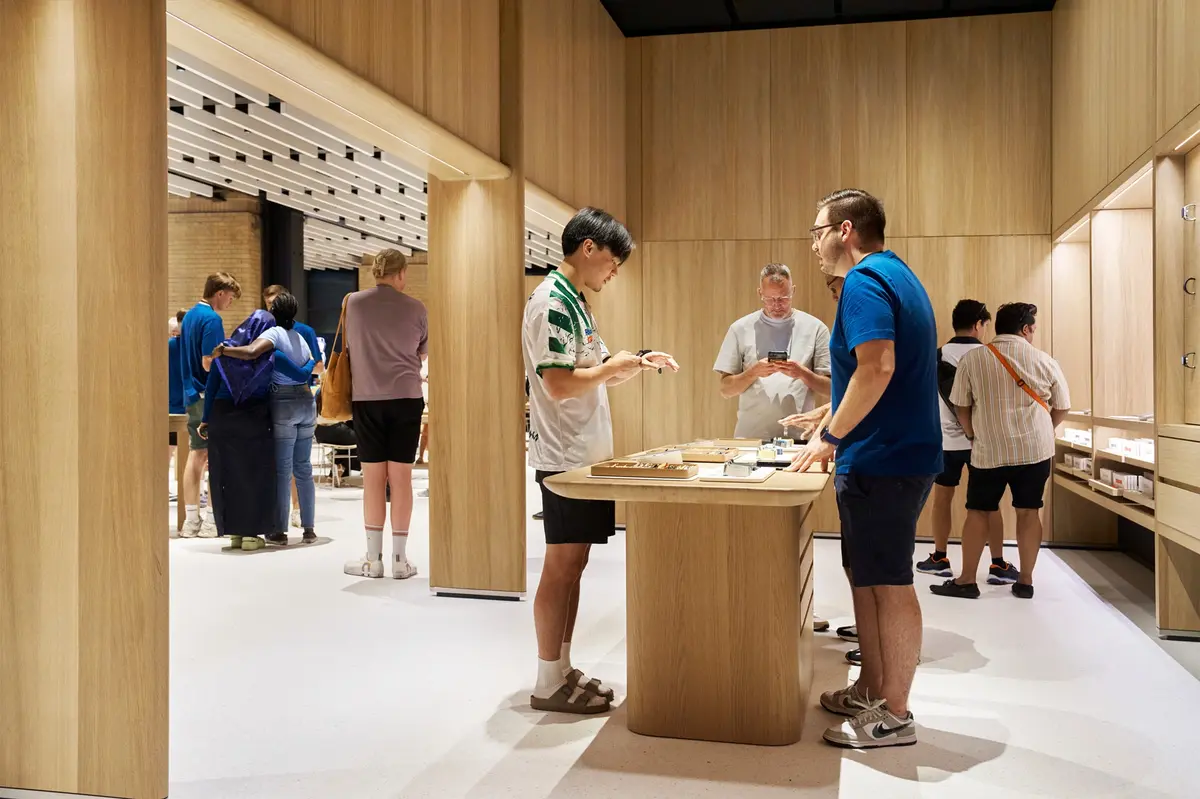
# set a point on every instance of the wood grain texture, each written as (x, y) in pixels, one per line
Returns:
(575, 52)
(1077, 520)
(699, 289)
(1103, 90)
(1122, 288)
(476, 245)
(1179, 460)
(1178, 508)
(706, 141)
(1177, 67)
(84, 624)
(819, 144)
(737, 580)
(269, 54)
(1071, 342)
(978, 116)
(1189, 379)
(1177, 584)
(1174, 248)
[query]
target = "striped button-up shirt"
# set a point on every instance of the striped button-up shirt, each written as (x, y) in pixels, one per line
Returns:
(1010, 428)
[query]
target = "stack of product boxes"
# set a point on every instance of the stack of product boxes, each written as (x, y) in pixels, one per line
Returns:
(1081, 462)
(1140, 448)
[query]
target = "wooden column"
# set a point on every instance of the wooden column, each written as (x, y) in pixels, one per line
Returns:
(477, 396)
(83, 528)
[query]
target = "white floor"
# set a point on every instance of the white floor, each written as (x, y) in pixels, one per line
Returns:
(291, 680)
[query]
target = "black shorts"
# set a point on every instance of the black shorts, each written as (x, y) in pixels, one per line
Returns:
(576, 521)
(953, 461)
(388, 430)
(879, 526)
(985, 487)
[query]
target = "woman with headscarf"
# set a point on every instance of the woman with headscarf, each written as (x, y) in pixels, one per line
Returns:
(293, 414)
(237, 423)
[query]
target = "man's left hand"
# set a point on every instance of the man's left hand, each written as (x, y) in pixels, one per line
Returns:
(659, 360)
(792, 369)
(817, 450)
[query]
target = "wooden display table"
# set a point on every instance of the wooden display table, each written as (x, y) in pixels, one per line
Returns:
(719, 586)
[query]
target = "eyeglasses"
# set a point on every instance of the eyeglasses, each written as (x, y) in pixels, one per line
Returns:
(777, 300)
(815, 232)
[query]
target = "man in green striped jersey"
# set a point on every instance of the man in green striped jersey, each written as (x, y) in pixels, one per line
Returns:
(569, 370)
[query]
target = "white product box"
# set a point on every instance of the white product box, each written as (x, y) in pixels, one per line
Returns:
(1146, 485)
(1125, 480)
(1106, 476)
(1070, 459)
(1117, 445)
(1083, 463)
(1144, 449)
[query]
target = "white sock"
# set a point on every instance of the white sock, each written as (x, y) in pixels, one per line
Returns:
(565, 657)
(374, 543)
(208, 514)
(399, 547)
(193, 512)
(550, 678)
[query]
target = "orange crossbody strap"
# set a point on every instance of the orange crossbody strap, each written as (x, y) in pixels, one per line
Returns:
(1024, 386)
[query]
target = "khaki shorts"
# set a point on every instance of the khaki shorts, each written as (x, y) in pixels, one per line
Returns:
(195, 414)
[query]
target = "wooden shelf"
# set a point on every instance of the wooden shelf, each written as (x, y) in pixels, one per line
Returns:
(1132, 425)
(1104, 488)
(1078, 474)
(1079, 416)
(1139, 498)
(1187, 432)
(1132, 461)
(1135, 513)
(1079, 447)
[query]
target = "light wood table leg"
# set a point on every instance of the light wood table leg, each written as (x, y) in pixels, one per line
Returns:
(183, 448)
(719, 621)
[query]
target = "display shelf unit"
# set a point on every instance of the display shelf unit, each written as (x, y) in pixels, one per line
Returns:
(1062, 442)
(1126, 459)
(1128, 510)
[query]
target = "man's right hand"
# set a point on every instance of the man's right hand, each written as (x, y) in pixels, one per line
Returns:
(762, 369)
(624, 364)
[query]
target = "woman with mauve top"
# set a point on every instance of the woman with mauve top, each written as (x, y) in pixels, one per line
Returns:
(387, 335)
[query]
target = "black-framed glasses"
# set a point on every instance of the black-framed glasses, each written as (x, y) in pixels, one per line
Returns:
(814, 231)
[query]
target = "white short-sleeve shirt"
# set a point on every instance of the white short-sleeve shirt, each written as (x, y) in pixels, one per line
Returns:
(288, 344)
(559, 332)
(771, 398)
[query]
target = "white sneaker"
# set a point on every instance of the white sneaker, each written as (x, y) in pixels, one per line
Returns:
(296, 517)
(208, 529)
(191, 529)
(364, 568)
(403, 570)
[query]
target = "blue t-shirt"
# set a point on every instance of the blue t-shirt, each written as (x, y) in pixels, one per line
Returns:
(310, 338)
(902, 436)
(174, 377)
(201, 331)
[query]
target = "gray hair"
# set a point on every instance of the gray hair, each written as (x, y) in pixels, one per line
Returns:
(776, 273)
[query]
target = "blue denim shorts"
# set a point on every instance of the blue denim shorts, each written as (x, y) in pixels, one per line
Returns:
(879, 526)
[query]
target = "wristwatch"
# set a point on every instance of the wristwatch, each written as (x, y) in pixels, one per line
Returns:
(829, 437)
(641, 353)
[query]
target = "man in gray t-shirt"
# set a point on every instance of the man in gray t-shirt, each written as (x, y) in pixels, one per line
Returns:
(768, 391)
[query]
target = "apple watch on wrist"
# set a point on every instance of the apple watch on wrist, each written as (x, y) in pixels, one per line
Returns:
(643, 353)
(829, 437)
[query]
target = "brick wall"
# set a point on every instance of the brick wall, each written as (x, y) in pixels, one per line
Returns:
(206, 236)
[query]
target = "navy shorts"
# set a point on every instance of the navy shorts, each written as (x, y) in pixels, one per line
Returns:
(1027, 483)
(953, 463)
(879, 526)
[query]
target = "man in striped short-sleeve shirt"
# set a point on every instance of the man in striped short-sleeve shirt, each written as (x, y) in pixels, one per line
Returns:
(1013, 439)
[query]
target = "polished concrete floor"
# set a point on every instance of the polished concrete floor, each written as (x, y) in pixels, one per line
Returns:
(290, 680)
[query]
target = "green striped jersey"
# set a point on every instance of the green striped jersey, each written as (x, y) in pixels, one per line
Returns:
(559, 332)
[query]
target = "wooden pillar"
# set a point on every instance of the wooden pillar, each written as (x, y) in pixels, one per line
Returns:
(83, 522)
(477, 389)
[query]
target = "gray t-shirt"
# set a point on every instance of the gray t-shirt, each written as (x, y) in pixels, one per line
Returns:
(806, 340)
(387, 333)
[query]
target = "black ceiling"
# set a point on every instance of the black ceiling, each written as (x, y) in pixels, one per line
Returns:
(658, 17)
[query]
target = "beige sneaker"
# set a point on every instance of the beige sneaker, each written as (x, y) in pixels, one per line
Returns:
(846, 702)
(208, 529)
(191, 529)
(403, 570)
(364, 568)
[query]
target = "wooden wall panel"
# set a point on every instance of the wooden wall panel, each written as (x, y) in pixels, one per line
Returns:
(1190, 321)
(1175, 254)
(575, 50)
(1103, 87)
(817, 143)
(695, 291)
(1071, 342)
(706, 157)
(978, 118)
(435, 57)
(1178, 62)
(1123, 307)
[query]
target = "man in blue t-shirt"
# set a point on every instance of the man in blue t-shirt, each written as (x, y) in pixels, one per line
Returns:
(886, 434)
(200, 332)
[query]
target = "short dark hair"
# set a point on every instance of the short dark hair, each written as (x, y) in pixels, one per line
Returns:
(1013, 317)
(969, 313)
(601, 228)
(863, 211)
(284, 308)
(182, 312)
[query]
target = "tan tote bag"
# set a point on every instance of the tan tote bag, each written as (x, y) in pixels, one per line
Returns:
(337, 390)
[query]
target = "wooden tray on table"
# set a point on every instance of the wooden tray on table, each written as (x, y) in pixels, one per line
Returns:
(640, 469)
(708, 454)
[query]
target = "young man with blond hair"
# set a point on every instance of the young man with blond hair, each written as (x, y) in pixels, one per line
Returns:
(201, 330)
